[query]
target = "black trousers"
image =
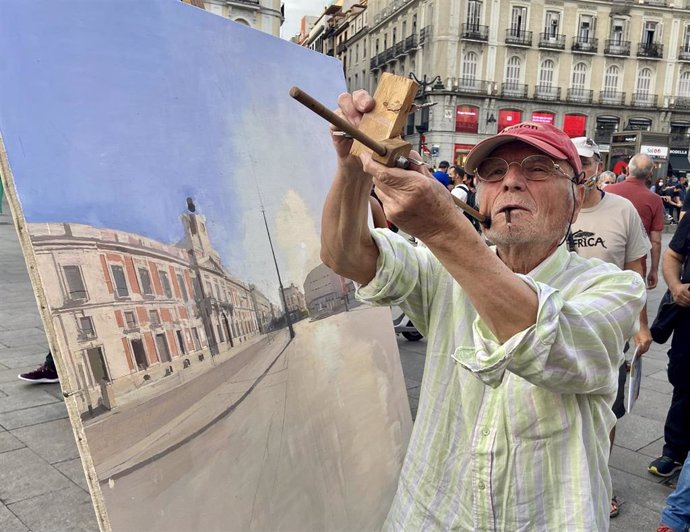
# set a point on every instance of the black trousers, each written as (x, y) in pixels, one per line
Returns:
(677, 428)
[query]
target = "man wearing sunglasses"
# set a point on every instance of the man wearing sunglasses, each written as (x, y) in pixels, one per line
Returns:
(524, 340)
(610, 229)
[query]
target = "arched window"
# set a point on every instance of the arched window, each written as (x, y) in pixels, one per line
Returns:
(580, 76)
(469, 66)
(611, 79)
(243, 21)
(684, 85)
(546, 73)
(644, 82)
(513, 70)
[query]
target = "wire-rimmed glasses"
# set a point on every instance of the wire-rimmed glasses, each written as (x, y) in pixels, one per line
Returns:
(534, 168)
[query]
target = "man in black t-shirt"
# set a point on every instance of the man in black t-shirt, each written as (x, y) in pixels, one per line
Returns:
(677, 427)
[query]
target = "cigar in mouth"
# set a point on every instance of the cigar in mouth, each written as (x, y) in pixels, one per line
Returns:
(508, 217)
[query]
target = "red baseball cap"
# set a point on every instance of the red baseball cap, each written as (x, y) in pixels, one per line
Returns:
(545, 137)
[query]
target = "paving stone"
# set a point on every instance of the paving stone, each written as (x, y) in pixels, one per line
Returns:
(655, 405)
(17, 401)
(22, 337)
(9, 443)
(54, 440)
(657, 385)
(9, 521)
(632, 489)
(654, 449)
(635, 432)
(32, 416)
(631, 462)
(28, 355)
(67, 510)
(73, 470)
(25, 474)
(633, 517)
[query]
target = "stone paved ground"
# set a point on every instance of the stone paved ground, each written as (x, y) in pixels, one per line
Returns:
(42, 485)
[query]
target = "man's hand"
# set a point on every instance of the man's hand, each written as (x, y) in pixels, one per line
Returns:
(681, 294)
(351, 107)
(643, 339)
(652, 280)
(413, 200)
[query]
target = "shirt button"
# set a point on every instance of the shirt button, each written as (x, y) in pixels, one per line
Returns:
(486, 432)
(481, 485)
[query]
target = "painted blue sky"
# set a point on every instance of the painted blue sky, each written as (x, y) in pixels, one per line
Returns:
(112, 113)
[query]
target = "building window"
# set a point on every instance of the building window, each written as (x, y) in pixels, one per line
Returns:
(183, 287)
(684, 85)
(579, 76)
(543, 117)
(686, 39)
(546, 73)
(585, 28)
(474, 14)
(644, 82)
(518, 21)
(145, 280)
(466, 119)
(606, 126)
(130, 319)
(513, 70)
(469, 67)
(617, 31)
(639, 124)
(575, 125)
(508, 117)
(86, 327)
(75, 284)
(611, 79)
(165, 281)
(649, 33)
(552, 24)
(120, 280)
(154, 318)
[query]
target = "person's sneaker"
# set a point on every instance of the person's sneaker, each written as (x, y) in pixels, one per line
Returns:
(664, 467)
(41, 375)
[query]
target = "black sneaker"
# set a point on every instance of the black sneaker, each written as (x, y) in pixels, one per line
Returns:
(664, 467)
(41, 375)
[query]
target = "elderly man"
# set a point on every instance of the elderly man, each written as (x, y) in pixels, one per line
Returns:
(649, 206)
(524, 342)
(610, 229)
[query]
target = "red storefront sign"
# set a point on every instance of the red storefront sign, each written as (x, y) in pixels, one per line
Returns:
(466, 119)
(575, 125)
(508, 117)
(539, 117)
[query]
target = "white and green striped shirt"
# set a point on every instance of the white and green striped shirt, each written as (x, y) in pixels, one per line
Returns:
(513, 436)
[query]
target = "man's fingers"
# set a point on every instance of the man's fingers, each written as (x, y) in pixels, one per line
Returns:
(347, 107)
(362, 101)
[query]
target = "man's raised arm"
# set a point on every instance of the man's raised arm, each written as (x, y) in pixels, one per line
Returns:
(346, 244)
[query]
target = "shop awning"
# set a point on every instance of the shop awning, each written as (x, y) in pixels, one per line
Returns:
(679, 162)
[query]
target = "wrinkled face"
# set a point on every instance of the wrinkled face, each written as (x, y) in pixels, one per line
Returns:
(539, 210)
(592, 167)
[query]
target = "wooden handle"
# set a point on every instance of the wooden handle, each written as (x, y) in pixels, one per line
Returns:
(328, 115)
(474, 213)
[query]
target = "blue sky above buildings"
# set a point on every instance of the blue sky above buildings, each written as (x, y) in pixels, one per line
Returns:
(112, 113)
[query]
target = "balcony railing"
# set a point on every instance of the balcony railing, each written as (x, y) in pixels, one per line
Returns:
(399, 49)
(390, 54)
(513, 90)
(580, 95)
(424, 35)
(373, 63)
(470, 85)
(410, 42)
(585, 45)
(518, 37)
(342, 47)
(474, 32)
(682, 102)
(611, 98)
(547, 93)
(679, 140)
(554, 42)
(684, 53)
(643, 99)
(657, 3)
(616, 47)
(650, 49)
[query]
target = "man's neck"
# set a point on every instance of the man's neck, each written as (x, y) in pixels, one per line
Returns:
(521, 261)
(592, 198)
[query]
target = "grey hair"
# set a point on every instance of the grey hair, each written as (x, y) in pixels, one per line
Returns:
(640, 166)
(604, 175)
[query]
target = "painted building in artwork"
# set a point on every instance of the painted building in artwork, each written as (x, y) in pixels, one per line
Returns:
(326, 292)
(266, 312)
(128, 309)
(294, 300)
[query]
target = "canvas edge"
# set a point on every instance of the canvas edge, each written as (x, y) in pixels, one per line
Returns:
(41, 301)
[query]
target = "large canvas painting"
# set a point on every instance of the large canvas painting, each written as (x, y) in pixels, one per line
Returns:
(167, 194)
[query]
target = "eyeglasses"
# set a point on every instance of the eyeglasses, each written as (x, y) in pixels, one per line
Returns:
(534, 168)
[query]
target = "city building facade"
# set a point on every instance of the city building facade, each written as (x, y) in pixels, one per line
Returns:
(591, 67)
(326, 292)
(262, 15)
(128, 310)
